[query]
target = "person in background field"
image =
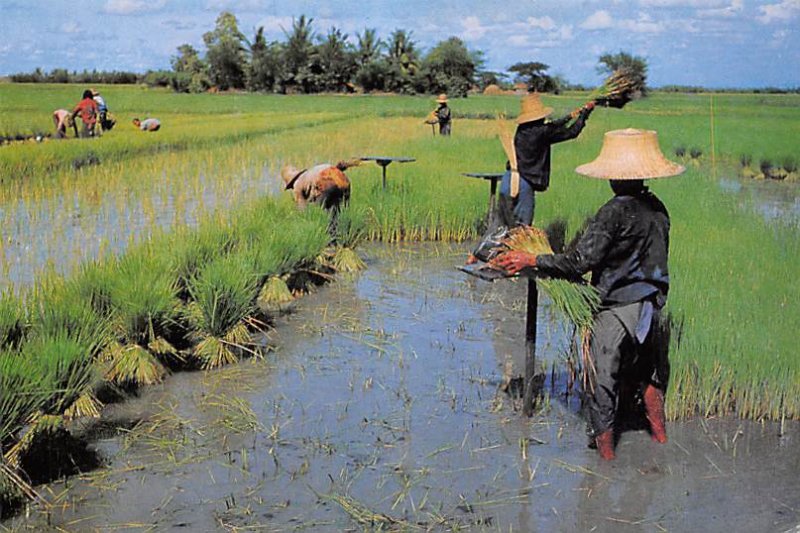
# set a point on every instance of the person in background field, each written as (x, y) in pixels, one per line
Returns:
(87, 110)
(324, 184)
(625, 247)
(443, 114)
(148, 124)
(532, 141)
(62, 120)
(106, 122)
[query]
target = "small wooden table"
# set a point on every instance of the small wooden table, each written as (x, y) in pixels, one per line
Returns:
(385, 161)
(493, 178)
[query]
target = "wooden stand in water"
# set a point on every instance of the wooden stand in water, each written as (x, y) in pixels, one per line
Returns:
(530, 347)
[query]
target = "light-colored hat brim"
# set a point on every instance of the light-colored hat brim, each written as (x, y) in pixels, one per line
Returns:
(439, 100)
(630, 154)
(538, 115)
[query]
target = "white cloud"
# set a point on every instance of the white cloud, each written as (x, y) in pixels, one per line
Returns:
(518, 40)
(779, 38)
(472, 27)
(599, 20)
(127, 7)
(781, 12)
(545, 23)
(644, 24)
(727, 11)
(72, 28)
(274, 24)
(700, 4)
(602, 20)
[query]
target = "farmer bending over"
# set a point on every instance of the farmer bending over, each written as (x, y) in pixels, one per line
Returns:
(324, 184)
(532, 142)
(625, 247)
(148, 124)
(87, 109)
(62, 119)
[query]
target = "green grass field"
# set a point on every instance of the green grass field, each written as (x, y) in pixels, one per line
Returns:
(733, 273)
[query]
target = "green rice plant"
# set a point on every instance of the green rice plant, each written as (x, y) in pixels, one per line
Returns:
(223, 295)
(144, 311)
(22, 393)
(745, 160)
(190, 250)
(13, 325)
(680, 151)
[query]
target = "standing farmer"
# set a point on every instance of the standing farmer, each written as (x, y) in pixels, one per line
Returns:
(443, 114)
(532, 142)
(626, 247)
(87, 110)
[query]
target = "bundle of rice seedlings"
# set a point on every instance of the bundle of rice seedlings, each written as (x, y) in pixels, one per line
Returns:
(347, 260)
(274, 293)
(223, 295)
(576, 301)
(622, 86)
(144, 311)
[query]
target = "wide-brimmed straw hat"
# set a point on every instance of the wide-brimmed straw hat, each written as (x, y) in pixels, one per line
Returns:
(630, 154)
(533, 109)
(289, 174)
(94, 91)
(442, 99)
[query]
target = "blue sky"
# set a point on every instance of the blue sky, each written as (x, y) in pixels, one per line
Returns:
(714, 43)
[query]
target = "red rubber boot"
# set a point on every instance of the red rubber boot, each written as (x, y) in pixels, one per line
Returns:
(654, 407)
(605, 444)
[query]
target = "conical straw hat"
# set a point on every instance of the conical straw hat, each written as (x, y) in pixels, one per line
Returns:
(532, 109)
(630, 154)
(442, 99)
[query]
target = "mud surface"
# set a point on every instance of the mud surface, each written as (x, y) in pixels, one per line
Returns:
(380, 408)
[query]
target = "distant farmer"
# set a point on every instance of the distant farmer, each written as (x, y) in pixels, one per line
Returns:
(106, 122)
(625, 247)
(62, 119)
(148, 124)
(87, 110)
(443, 115)
(532, 142)
(324, 184)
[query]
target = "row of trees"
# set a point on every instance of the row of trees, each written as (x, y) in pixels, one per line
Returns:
(308, 62)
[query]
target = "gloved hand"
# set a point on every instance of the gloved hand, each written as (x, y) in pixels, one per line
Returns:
(514, 261)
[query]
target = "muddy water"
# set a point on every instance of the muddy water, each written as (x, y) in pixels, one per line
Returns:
(379, 407)
(775, 201)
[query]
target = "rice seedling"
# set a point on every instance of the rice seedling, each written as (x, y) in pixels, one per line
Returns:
(622, 86)
(144, 308)
(223, 294)
(12, 321)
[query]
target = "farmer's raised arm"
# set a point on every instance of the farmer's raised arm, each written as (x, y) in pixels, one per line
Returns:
(560, 132)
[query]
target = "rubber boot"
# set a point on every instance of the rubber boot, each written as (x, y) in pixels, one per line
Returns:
(654, 407)
(605, 444)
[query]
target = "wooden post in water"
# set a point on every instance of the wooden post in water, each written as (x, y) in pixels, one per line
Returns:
(530, 347)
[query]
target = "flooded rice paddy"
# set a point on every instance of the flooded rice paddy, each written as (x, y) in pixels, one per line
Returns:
(380, 409)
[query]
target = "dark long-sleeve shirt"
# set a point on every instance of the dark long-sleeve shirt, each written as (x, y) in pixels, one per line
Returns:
(532, 146)
(625, 246)
(443, 114)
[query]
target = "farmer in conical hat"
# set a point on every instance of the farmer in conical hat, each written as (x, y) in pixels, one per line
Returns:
(442, 113)
(532, 142)
(324, 184)
(625, 247)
